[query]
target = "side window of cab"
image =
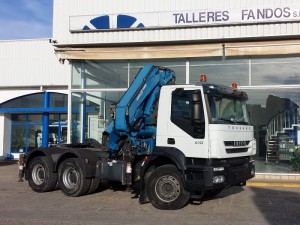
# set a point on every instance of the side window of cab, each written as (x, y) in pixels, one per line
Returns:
(187, 112)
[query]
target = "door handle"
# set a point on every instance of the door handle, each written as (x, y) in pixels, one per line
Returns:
(171, 141)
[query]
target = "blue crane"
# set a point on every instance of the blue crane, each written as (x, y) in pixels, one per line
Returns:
(134, 116)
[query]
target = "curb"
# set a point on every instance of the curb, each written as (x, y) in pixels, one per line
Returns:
(273, 184)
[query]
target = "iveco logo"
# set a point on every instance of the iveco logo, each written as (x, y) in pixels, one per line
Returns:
(239, 143)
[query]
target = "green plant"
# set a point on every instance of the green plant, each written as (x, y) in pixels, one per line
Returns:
(295, 160)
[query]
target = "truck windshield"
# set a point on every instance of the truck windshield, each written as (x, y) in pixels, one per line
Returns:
(228, 110)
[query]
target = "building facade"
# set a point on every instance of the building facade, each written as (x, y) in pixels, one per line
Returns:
(253, 43)
(33, 97)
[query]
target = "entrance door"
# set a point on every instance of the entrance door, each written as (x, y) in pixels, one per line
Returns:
(26, 132)
(57, 129)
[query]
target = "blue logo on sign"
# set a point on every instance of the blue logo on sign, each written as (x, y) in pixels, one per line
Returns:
(101, 22)
(123, 21)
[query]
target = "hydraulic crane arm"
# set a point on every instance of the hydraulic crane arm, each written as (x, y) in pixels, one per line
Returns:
(135, 108)
(139, 99)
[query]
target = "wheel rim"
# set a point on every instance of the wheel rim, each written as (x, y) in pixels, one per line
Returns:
(70, 178)
(38, 174)
(167, 188)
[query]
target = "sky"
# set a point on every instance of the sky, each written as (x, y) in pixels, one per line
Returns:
(26, 19)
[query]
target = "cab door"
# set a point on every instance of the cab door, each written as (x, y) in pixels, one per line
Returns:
(186, 123)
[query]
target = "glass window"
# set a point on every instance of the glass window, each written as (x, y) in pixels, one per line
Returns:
(181, 107)
(34, 137)
(35, 117)
(26, 132)
(223, 72)
(277, 71)
(228, 110)
(37, 101)
(28, 101)
(177, 65)
(18, 117)
(26, 117)
(77, 69)
(18, 141)
(275, 116)
(96, 114)
(273, 112)
(187, 112)
(58, 100)
(99, 74)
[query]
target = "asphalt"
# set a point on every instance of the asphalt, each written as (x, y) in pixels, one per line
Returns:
(19, 205)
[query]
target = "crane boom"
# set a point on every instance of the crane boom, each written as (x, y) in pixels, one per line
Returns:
(133, 115)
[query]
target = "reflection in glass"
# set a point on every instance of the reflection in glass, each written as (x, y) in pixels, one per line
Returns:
(275, 71)
(28, 101)
(223, 72)
(18, 139)
(36, 101)
(34, 137)
(96, 116)
(228, 110)
(99, 74)
(275, 116)
(177, 65)
(58, 100)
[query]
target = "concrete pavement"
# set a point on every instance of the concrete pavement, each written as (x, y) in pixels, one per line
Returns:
(19, 205)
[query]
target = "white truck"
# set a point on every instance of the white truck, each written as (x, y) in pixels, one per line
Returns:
(175, 142)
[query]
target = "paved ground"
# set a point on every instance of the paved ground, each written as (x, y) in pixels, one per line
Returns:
(234, 206)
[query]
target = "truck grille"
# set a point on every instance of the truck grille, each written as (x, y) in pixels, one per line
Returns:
(236, 150)
(236, 143)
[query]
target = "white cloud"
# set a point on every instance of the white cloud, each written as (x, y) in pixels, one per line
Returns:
(26, 19)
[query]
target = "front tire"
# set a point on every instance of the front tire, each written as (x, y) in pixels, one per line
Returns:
(40, 175)
(71, 178)
(165, 188)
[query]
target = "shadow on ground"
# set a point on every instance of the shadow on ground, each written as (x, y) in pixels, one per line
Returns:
(8, 162)
(279, 206)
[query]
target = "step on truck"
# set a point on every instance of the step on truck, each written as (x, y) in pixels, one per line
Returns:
(172, 142)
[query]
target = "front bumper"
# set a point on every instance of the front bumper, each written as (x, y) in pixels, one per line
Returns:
(218, 174)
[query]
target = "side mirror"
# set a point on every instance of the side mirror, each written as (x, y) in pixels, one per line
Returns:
(197, 109)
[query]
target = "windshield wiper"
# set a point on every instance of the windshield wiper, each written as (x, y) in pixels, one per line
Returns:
(227, 120)
(241, 122)
(232, 121)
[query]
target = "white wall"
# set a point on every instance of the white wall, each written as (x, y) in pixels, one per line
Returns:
(63, 10)
(31, 63)
(5, 130)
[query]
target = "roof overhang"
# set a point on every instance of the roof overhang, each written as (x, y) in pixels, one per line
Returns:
(251, 48)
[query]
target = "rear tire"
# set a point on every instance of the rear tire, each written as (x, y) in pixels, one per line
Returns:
(71, 178)
(40, 175)
(165, 188)
(95, 183)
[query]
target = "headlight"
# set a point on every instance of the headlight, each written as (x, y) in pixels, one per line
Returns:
(253, 146)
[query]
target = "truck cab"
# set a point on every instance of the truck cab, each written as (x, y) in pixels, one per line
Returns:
(210, 119)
